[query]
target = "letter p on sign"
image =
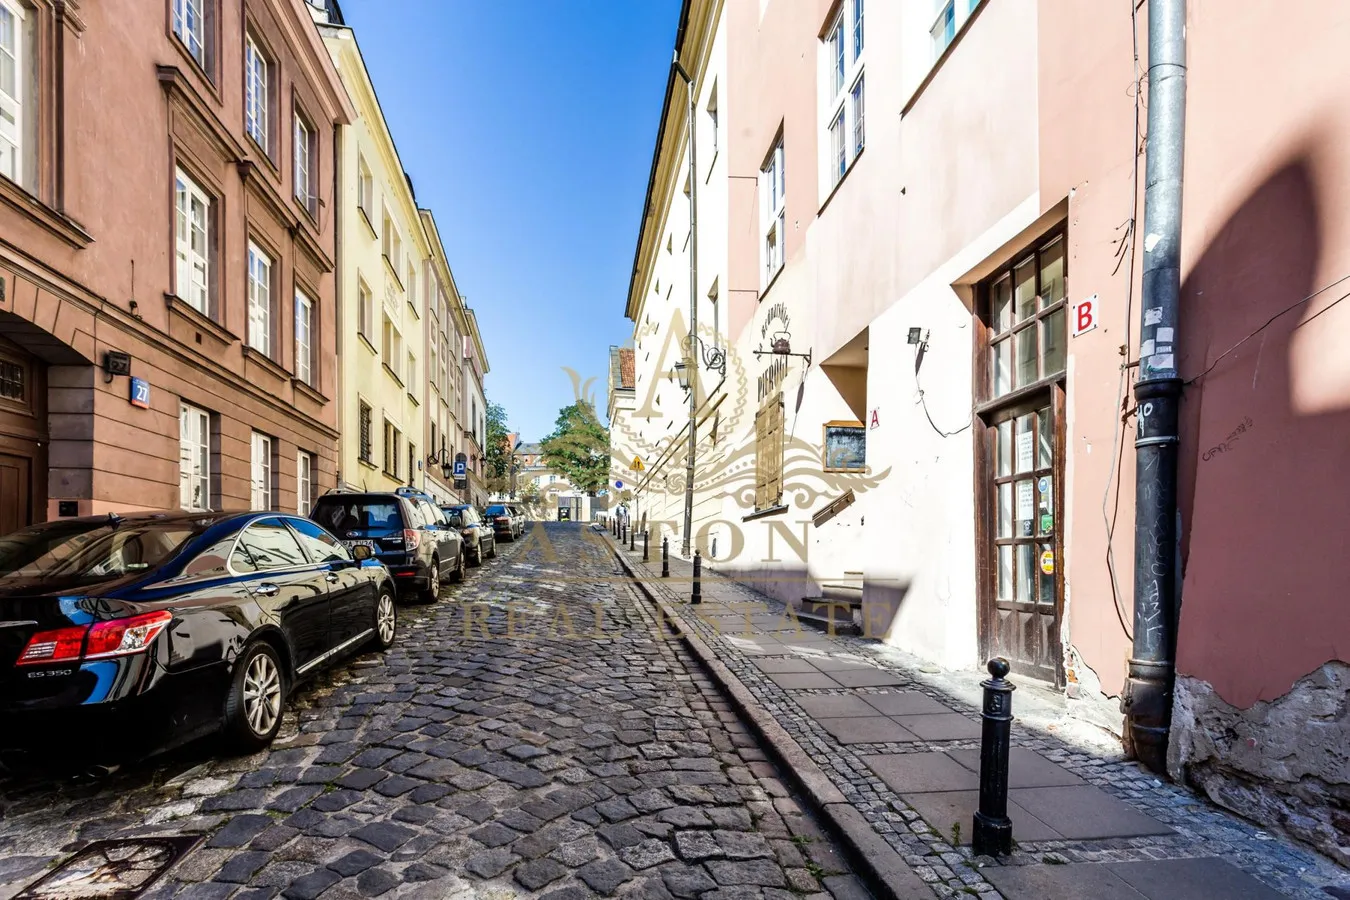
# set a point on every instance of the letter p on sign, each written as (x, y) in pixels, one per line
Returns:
(1085, 316)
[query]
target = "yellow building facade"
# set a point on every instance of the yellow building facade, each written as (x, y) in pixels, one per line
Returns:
(383, 276)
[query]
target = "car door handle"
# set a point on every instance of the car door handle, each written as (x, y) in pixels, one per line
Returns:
(268, 589)
(331, 578)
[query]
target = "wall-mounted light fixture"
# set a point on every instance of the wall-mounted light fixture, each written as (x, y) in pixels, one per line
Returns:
(115, 362)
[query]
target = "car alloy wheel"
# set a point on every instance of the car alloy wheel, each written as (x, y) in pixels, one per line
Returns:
(262, 694)
(386, 620)
(433, 580)
(256, 698)
(458, 575)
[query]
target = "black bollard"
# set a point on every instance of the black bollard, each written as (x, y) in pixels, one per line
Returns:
(632, 540)
(623, 532)
(646, 545)
(697, 596)
(992, 834)
(665, 557)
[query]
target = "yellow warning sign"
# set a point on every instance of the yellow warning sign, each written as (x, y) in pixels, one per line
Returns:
(637, 464)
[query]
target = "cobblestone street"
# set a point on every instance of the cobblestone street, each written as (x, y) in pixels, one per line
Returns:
(556, 747)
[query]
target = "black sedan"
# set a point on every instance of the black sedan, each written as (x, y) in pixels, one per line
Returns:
(151, 630)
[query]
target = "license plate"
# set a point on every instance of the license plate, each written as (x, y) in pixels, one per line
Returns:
(352, 544)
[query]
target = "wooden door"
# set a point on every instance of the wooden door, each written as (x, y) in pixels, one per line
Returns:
(16, 501)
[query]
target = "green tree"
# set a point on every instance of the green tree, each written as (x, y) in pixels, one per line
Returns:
(498, 447)
(579, 447)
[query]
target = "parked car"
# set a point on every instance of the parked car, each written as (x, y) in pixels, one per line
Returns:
(406, 531)
(480, 541)
(139, 633)
(506, 520)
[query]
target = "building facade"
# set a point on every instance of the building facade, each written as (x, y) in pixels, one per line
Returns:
(385, 260)
(446, 324)
(473, 411)
(972, 479)
(166, 335)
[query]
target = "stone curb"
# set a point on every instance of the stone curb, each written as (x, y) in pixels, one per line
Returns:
(883, 870)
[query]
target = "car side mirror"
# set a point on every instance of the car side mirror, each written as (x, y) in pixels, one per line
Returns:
(361, 553)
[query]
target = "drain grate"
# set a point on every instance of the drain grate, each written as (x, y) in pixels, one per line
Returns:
(111, 870)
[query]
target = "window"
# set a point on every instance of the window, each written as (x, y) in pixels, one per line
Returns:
(305, 169)
(412, 461)
(14, 64)
(267, 544)
(365, 190)
(412, 285)
(411, 375)
(391, 436)
(364, 450)
(769, 454)
(433, 370)
(189, 24)
(365, 311)
(772, 189)
(319, 545)
(194, 458)
(192, 243)
(304, 330)
(304, 482)
(392, 246)
(1027, 320)
(951, 15)
(259, 300)
(391, 347)
(716, 321)
(261, 474)
(843, 92)
(257, 80)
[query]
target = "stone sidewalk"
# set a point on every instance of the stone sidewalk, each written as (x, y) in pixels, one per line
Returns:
(854, 726)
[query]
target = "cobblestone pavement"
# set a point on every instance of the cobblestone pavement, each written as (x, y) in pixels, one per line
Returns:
(1199, 829)
(556, 746)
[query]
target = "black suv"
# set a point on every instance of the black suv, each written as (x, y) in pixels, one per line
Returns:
(506, 521)
(406, 530)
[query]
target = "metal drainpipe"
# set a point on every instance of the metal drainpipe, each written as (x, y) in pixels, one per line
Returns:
(691, 357)
(1148, 694)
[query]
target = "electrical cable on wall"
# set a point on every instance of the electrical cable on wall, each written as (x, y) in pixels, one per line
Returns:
(924, 403)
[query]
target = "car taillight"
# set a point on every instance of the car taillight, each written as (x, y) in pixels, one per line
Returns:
(122, 637)
(60, 645)
(116, 637)
(412, 539)
(503, 518)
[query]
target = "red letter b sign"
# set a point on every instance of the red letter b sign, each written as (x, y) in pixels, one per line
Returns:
(1085, 316)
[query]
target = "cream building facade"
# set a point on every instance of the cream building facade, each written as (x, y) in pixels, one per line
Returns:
(447, 322)
(384, 262)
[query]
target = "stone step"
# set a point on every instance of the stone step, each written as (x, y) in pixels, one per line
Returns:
(852, 594)
(826, 618)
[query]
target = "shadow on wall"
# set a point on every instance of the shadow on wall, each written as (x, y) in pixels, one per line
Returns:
(1264, 478)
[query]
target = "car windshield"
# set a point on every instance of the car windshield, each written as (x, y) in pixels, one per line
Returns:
(344, 516)
(498, 511)
(92, 553)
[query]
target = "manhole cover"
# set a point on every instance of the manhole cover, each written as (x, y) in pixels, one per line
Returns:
(111, 870)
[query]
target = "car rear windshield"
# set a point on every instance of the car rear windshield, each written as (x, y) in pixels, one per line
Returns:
(454, 516)
(92, 553)
(498, 511)
(370, 514)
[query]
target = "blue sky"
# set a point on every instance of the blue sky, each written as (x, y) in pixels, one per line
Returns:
(527, 127)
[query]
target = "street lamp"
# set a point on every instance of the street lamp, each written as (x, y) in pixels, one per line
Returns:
(713, 358)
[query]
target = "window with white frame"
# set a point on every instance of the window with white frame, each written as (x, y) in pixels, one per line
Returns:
(412, 376)
(189, 25)
(391, 436)
(772, 187)
(257, 78)
(713, 135)
(393, 245)
(259, 300)
(843, 93)
(304, 164)
(365, 311)
(260, 494)
(391, 347)
(194, 458)
(365, 190)
(412, 285)
(951, 15)
(304, 336)
(14, 63)
(304, 482)
(192, 243)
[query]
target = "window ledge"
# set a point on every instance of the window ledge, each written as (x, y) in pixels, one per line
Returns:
(393, 374)
(842, 178)
(24, 203)
(309, 391)
(398, 279)
(253, 354)
(365, 217)
(766, 513)
(772, 281)
(368, 464)
(415, 401)
(365, 340)
(942, 59)
(180, 307)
